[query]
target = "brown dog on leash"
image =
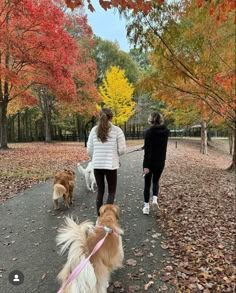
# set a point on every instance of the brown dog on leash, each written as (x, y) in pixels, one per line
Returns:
(80, 240)
(63, 186)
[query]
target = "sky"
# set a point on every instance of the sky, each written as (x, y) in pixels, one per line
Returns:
(108, 25)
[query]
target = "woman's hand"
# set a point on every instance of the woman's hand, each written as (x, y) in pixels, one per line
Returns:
(145, 171)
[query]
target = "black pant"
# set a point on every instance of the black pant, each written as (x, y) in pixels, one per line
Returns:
(153, 176)
(111, 177)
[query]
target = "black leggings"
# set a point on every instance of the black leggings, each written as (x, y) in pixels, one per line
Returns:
(153, 176)
(111, 177)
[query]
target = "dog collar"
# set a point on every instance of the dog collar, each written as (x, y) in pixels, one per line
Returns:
(108, 230)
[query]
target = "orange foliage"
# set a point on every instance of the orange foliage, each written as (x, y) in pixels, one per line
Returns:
(135, 6)
(219, 9)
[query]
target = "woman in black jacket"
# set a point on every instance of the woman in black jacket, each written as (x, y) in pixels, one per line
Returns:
(155, 145)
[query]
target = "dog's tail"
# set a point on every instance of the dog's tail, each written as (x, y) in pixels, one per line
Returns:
(80, 169)
(73, 237)
(72, 233)
(58, 191)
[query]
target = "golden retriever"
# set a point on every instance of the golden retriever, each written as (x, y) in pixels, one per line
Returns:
(63, 186)
(81, 240)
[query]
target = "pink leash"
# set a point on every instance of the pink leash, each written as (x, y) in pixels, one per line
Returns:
(82, 264)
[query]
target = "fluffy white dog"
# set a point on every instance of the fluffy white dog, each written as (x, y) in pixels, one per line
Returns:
(88, 175)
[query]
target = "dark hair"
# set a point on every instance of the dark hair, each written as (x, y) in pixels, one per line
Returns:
(103, 124)
(155, 118)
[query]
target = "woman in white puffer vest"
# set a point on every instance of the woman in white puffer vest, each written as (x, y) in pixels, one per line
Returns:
(106, 142)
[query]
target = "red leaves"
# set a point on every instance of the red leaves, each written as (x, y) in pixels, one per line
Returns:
(73, 3)
(135, 6)
(221, 9)
(43, 52)
(105, 4)
(199, 3)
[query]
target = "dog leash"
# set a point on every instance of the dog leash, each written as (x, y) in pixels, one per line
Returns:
(140, 149)
(82, 264)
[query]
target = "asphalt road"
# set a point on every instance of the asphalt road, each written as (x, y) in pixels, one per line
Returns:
(29, 225)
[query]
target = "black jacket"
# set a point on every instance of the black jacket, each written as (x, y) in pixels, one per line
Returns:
(155, 145)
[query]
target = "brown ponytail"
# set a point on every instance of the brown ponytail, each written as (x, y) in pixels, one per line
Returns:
(104, 125)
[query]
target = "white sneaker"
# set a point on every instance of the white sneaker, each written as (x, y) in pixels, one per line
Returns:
(146, 211)
(154, 200)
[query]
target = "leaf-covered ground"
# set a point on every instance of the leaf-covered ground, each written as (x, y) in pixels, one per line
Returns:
(27, 163)
(197, 206)
(24, 164)
(197, 211)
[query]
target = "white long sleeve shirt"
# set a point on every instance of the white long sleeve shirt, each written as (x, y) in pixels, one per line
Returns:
(106, 155)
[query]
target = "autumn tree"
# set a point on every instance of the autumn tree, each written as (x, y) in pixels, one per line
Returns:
(141, 58)
(188, 59)
(37, 52)
(31, 52)
(108, 54)
(117, 92)
(83, 105)
(83, 72)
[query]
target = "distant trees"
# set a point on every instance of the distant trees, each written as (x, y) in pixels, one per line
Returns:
(108, 54)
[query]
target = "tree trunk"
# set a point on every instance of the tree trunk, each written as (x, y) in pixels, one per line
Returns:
(231, 141)
(4, 100)
(18, 127)
(4, 97)
(26, 118)
(60, 133)
(76, 119)
(45, 103)
(232, 167)
(3, 124)
(11, 128)
(36, 130)
(203, 148)
(30, 126)
(47, 129)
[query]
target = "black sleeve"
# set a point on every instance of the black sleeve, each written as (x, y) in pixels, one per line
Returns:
(147, 150)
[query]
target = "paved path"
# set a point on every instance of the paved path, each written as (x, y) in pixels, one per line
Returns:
(28, 229)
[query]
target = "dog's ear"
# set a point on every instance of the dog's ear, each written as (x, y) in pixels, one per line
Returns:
(102, 210)
(116, 209)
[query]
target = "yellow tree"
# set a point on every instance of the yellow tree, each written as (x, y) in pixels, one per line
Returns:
(117, 93)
